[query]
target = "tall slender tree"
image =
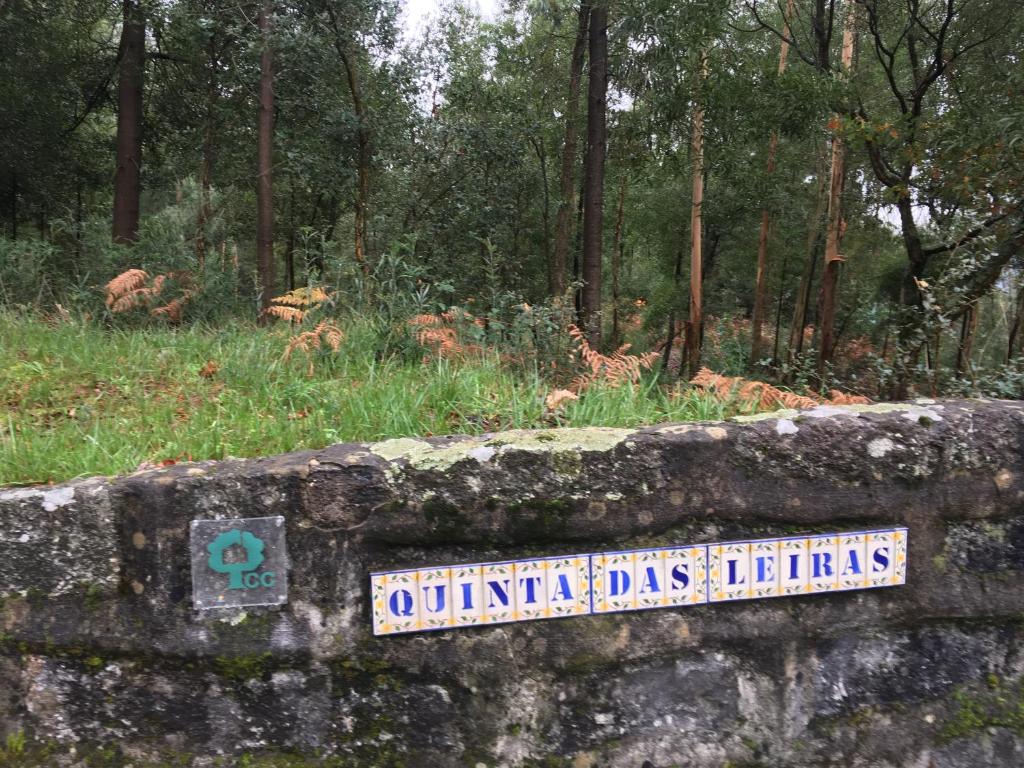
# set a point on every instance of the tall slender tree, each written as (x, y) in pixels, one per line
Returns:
(127, 177)
(695, 323)
(567, 178)
(834, 228)
(761, 281)
(264, 161)
(593, 202)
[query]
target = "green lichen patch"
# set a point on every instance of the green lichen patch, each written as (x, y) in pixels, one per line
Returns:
(998, 705)
(420, 454)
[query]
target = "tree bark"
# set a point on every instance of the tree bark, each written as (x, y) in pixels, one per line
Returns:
(694, 325)
(264, 160)
(206, 162)
(127, 177)
(617, 262)
(567, 181)
(362, 144)
(1013, 343)
(761, 281)
(671, 333)
(14, 205)
(593, 204)
(968, 328)
(803, 296)
(833, 232)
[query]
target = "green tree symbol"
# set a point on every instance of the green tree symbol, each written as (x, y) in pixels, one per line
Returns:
(253, 555)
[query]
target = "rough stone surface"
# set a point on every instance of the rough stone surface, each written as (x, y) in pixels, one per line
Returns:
(104, 662)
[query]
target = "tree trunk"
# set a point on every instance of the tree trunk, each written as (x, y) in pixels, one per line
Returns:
(127, 177)
(671, 334)
(264, 155)
(968, 328)
(761, 282)
(803, 296)
(289, 253)
(14, 205)
(617, 263)
(833, 232)
(206, 163)
(567, 182)
(1013, 344)
(79, 226)
(695, 323)
(362, 143)
(593, 204)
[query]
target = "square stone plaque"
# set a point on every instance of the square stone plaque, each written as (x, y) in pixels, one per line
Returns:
(236, 563)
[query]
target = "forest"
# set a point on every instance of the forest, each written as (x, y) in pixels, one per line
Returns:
(231, 228)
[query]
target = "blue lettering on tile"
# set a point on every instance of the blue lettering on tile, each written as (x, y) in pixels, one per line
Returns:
(656, 576)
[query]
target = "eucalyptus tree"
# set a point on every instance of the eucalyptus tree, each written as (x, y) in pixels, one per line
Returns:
(929, 58)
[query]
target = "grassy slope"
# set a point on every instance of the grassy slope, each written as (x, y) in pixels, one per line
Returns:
(82, 400)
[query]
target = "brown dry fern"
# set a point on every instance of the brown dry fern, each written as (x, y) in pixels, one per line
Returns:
(615, 369)
(763, 396)
(308, 342)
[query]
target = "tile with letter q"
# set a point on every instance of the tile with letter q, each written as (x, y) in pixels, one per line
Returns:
(499, 592)
(530, 589)
(764, 568)
(794, 566)
(467, 595)
(824, 572)
(568, 586)
(435, 598)
(728, 571)
(394, 602)
(686, 575)
(613, 581)
(852, 562)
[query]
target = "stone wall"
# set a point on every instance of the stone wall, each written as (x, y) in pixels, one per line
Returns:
(103, 660)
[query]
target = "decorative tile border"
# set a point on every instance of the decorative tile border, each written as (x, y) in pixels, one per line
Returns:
(425, 599)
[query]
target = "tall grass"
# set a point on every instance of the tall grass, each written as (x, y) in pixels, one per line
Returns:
(82, 399)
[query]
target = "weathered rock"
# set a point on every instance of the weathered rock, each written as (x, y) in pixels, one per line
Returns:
(102, 655)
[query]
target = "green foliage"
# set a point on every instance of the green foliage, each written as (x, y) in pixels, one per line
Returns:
(74, 390)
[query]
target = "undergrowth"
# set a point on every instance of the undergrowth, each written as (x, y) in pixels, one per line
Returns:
(83, 399)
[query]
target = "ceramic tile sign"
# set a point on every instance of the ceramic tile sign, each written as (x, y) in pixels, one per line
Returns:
(424, 599)
(237, 563)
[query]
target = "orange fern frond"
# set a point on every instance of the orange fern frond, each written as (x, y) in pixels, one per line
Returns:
(173, 309)
(615, 369)
(285, 313)
(309, 342)
(302, 297)
(125, 283)
(764, 396)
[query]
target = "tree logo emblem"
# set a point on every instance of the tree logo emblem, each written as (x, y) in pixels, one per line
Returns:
(240, 575)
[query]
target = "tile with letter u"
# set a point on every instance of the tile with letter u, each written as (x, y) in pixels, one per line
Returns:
(435, 598)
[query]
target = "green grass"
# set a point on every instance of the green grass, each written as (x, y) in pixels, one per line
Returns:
(83, 400)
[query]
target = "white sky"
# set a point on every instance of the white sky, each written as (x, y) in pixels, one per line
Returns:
(415, 13)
